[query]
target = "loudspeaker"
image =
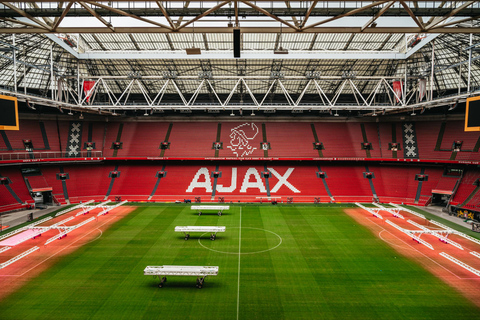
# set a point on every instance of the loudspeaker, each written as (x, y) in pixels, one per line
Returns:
(236, 43)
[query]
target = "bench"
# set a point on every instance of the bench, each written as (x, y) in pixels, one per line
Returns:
(218, 209)
(198, 271)
(203, 229)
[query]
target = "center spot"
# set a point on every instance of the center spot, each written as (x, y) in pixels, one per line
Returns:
(261, 240)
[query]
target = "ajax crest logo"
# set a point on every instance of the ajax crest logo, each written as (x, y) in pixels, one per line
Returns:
(240, 138)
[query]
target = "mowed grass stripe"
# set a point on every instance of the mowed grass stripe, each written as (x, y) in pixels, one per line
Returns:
(258, 286)
(180, 299)
(111, 276)
(300, 295)
(61, 274)
(327, 267)
(158, 237)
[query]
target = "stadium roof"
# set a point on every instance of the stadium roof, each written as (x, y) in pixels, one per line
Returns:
(294, 55)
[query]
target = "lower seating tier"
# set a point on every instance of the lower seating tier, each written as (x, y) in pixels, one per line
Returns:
(230, 182)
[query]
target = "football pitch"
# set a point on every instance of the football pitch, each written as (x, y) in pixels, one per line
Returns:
(275, 262)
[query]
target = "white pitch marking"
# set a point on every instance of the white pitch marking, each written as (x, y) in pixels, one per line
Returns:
(239, 255)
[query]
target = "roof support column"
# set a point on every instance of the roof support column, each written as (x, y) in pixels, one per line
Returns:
(15, 62)
(459, 75)
(79, 96)
(470, 63)
(52, 83)
(24, 71)
(433, 70)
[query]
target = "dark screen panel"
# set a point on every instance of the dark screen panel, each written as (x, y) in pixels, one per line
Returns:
(236, 43)
(473, 113)
(8, 113)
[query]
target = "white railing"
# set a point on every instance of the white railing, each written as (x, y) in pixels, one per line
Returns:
(394, 211)
(86, 209)
(24, 228)
(73, 208)
(460, 263)
(476, 254)
(371, 210)
(108, 208)
(467, 237)
(4, 249)
(20, 256)
(25, 155)
(408, 210)
(68, 229)
(407, 232)
(437, 233)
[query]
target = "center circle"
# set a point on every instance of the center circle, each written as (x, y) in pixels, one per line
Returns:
(251, 252)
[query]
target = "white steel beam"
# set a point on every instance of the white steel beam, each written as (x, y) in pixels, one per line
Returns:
(62, 44)
(221, 55)
(421, 44)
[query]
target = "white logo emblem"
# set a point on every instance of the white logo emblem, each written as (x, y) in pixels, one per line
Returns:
(241, 137)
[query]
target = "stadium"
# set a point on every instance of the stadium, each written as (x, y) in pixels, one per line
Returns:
(239, 159)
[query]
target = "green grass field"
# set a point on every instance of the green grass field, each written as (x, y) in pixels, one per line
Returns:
(326, 267)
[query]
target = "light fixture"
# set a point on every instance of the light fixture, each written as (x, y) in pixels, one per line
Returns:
(413, 112)
(374, 114)
(81, 116)
(280, 49)
(70, 112)
(146, 113)
(253, 113)
(232, 114)
(336, 113)
(114, 113)
(193, 50)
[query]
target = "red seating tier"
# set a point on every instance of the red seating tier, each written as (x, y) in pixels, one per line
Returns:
(427, 135)
(290, 138)
(340, 139)
(110, 137)
(29, 129)
(243, 139)
(395, 182)
(466, 186)
(37, 181)
(193, 139)
(17, 184)
(87, 181)
(135, 180)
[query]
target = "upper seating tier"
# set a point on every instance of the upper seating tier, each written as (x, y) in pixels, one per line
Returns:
(241, 139)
